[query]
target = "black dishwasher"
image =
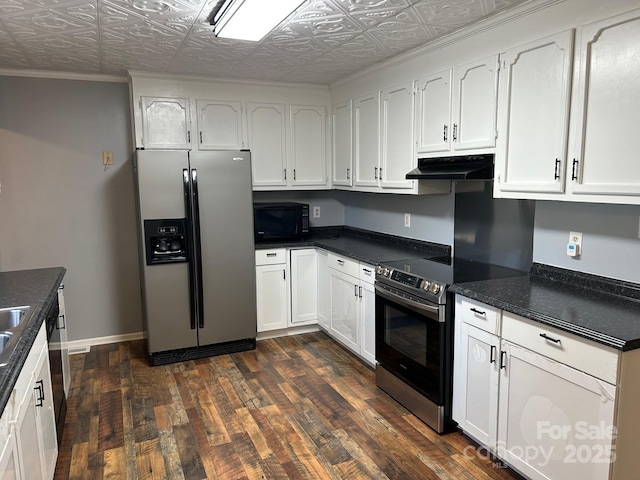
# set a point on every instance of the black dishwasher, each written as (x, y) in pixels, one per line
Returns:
(55, 366)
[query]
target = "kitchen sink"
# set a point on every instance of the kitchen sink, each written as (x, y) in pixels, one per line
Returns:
(12, 323)
(12, 317)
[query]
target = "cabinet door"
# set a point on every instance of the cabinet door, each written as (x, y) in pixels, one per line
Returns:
(343, 298)
(605, 145)
(397, 136)
(367, 320)
(9, 459)
(554, 421)
(342, 144)
(475, 90)
(324, 311)
(366, 140)
(534, 115)
(45, 418)
(308, 145)
(434, 112)
(219, 125)
(166, 123)
(304, 286)
(266, 129)
(64, 346)
(27, 435)
(479, 386)
(271, 296)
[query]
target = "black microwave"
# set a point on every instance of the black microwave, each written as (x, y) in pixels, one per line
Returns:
(280, 221)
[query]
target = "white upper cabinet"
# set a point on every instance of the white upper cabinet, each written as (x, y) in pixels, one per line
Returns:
(266, 125)
(397, 135)
(533, 116)
(342, 143)
(366, 139)
(219, 125)
(604, 158)
(308, 145)
(475, 91)
(166, 123)
(434, 112)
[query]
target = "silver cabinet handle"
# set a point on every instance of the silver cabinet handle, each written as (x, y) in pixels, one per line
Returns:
(355, 290)
(272, 254)
(348, 173)
(285, 173)
(360, 292)
(445, 132)
(551, 339)
(294, 173)
(455, 132)
(376, 173)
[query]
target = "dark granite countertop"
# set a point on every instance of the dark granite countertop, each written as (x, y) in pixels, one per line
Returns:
(363, 245)
(38, 289)
(603, 310)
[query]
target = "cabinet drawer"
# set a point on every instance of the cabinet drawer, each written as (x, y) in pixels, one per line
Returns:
(345, 265)
(577, 352)
(367, 273)
(271, 256)
(478, 314)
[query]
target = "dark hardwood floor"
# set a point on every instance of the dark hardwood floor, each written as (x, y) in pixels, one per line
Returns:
(297, 407)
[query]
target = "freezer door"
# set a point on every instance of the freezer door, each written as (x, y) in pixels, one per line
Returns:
(166, 287)
(227, 249)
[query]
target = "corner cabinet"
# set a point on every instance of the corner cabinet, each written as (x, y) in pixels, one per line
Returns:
(304, 286)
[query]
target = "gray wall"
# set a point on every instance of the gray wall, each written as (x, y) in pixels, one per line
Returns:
(58, 205)
(610, 244)
(431, 215)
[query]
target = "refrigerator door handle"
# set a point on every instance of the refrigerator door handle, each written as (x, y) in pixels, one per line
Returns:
(198, 249)
(192, 266)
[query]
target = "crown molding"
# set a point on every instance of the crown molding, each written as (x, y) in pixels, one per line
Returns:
(470, 31)
(62, 75)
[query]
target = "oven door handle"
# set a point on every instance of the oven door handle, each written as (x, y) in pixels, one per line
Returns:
(407, 303)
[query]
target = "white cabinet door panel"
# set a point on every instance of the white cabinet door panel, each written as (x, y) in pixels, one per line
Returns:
(609, 114)
(434, 112)
(534, 115)
(547, 410)
(474, 104)
(267, 142)
(343, 298)
(398, 157)
(342, 144)
(308, 145)
(219, 125)
(367, 140)
(304, 286)
(271, 296)
(166, 123)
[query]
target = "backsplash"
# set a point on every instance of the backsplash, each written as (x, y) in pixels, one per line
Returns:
(610, 244)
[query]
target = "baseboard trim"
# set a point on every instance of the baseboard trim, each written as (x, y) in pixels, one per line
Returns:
(83, 346)
(283, 332)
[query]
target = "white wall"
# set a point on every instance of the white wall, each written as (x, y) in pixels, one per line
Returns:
(58, 205)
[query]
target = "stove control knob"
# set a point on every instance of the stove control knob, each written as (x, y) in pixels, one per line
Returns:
(426, 284)
(379, 270)
(435, 288)
(386, 272)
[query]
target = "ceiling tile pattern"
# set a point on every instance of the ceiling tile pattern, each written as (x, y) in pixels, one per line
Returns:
(321, 42)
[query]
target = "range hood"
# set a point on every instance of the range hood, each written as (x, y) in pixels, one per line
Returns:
(464, 167)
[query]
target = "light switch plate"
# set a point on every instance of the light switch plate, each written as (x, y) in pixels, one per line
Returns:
(107, 158)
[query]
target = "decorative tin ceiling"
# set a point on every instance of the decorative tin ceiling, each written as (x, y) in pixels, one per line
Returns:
(321, 42)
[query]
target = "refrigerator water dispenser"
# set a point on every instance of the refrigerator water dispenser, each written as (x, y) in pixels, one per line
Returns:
(165, 241)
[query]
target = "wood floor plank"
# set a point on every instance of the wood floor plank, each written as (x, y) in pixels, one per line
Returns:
(298, 407)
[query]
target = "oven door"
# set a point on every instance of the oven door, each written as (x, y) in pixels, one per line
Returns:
(410, 342)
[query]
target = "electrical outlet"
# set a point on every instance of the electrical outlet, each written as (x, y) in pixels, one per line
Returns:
(407, 220)
(574, 247)
(316, 212)
(107, 158)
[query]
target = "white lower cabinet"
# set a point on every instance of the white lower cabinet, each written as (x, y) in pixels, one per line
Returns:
(549, 403)
(352, 305)
(272, 291)
(31, 448)
(304, 286)
(286, 288)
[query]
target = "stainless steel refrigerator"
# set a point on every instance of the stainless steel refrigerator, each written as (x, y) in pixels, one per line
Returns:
(195, 212)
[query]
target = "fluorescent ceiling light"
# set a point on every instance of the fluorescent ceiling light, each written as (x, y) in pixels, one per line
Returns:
(250, 19)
